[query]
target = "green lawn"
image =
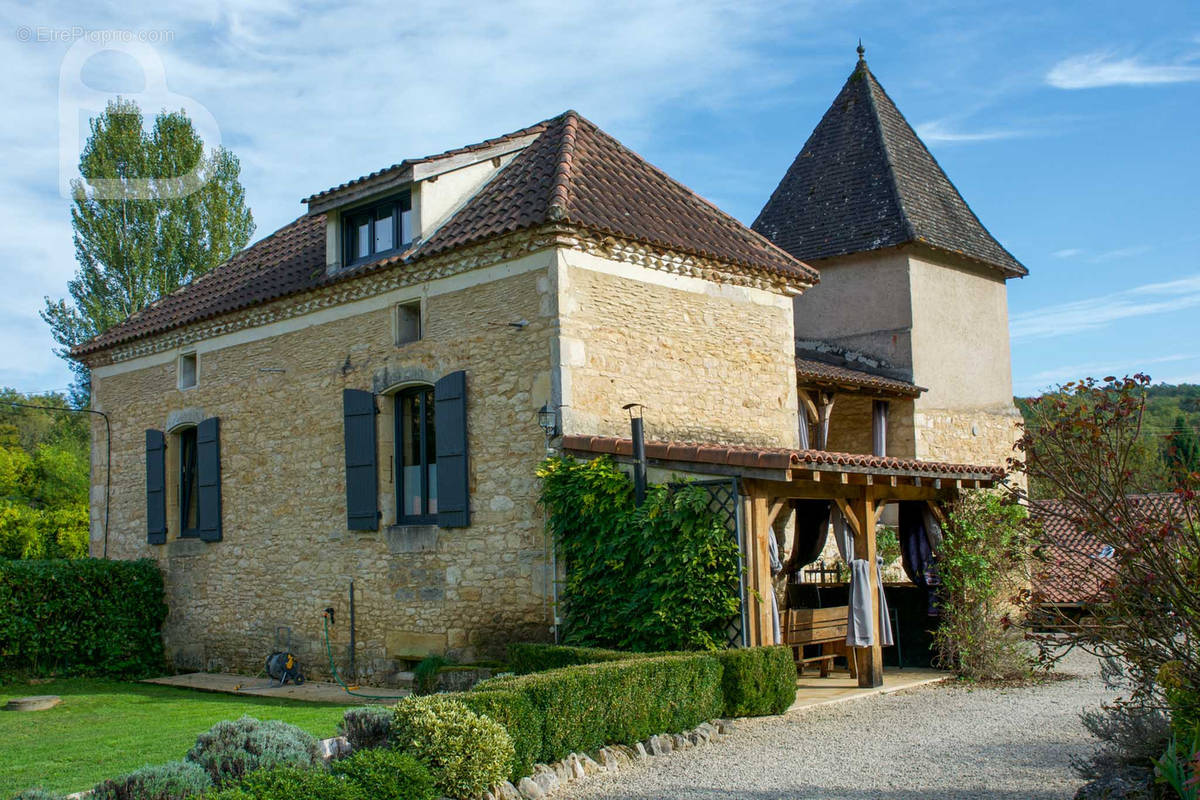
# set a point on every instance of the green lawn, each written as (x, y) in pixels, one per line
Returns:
(105, 728)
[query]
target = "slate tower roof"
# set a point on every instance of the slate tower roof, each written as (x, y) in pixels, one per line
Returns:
(865, 181)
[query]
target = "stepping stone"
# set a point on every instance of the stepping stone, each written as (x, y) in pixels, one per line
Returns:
(38, 702)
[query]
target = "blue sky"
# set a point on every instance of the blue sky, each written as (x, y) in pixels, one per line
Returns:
(1071, 127)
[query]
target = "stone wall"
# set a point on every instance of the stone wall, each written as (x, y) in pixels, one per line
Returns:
(850, 426)
(983, 437)
(711, 362)
(286, 553)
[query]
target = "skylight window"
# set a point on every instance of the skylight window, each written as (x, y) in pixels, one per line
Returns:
(377, 230)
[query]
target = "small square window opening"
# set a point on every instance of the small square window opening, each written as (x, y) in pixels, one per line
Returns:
(187, 370)
(408, 322)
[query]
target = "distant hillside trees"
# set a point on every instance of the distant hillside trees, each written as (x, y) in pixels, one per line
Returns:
(1165, 445)
(43, 478)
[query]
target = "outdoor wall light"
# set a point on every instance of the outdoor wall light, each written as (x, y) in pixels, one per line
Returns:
(548, 420)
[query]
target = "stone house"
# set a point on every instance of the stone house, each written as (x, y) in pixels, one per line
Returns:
(355, 398)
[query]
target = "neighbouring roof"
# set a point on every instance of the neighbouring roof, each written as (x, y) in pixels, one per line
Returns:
(820, 373)
(864, 181)
(573, 173)
(777, 458)
(1077, 564)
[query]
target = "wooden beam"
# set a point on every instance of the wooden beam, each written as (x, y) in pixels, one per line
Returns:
(937, 511)
(869, 659)
(777, 505)
(844, 506)
(810, 408)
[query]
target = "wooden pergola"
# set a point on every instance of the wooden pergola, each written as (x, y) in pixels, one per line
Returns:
(769, 478)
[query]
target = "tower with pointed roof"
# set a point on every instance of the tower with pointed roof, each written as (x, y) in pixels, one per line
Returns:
(912, 285)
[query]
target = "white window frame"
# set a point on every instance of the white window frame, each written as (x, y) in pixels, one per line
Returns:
(195, 357)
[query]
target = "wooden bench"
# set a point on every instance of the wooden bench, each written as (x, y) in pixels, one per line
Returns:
(815, 626)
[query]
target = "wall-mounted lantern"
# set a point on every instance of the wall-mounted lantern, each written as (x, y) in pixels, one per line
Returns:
(547, 417)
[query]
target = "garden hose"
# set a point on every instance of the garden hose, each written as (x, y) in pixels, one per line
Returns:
(338, 678)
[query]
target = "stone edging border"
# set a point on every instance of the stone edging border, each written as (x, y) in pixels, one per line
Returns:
(547, 778)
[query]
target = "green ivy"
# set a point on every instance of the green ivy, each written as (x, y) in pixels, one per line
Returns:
(660, 577)
(82, 617)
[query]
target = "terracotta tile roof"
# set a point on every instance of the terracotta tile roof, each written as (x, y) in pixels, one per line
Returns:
(572, 173)
(864, 181)
(779, 458)
(1077, 564)
(408, 162)
(290, 260)
(576, 173)
(820, 373)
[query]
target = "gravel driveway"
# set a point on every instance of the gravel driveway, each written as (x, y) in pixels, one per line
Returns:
(938, 742)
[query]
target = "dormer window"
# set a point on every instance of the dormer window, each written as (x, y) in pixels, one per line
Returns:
(378, 229)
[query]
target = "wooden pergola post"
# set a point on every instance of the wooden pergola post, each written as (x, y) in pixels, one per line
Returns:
(758, 568)
(869, 659)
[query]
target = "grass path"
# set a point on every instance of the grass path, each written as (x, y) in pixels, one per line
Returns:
(105, 728)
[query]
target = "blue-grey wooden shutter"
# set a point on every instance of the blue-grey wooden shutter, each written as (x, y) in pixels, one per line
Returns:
(362, 481)
(156, 487)
(208, 479)
(450, 422)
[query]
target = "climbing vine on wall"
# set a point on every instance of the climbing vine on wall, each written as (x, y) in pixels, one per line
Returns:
(660, 577)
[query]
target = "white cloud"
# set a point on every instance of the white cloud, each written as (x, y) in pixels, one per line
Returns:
(311, 95)
(941, 130)
(1096, 312)
(1069, 252)
(1095, 70)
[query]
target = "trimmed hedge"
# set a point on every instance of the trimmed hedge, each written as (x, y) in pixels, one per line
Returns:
(588, 706)
(527, 657)
(757, 681)
(516, 713)
(84, 616)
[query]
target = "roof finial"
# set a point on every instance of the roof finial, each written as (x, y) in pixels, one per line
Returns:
(861, 50)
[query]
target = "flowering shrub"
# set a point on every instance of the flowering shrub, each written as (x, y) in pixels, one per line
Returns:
(1082, 445)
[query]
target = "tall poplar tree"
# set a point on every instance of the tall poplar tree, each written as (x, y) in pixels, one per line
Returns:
(142, 227)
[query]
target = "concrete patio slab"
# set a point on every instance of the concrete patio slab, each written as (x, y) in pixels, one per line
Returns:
(310, 691)
(839, 687)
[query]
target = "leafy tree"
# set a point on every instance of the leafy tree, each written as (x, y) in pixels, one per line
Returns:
(1148, 619)
(149, 229)
(43, 477)
(1182, 447)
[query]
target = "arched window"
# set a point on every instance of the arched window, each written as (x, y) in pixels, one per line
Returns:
(189, 483)
(416, 456)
